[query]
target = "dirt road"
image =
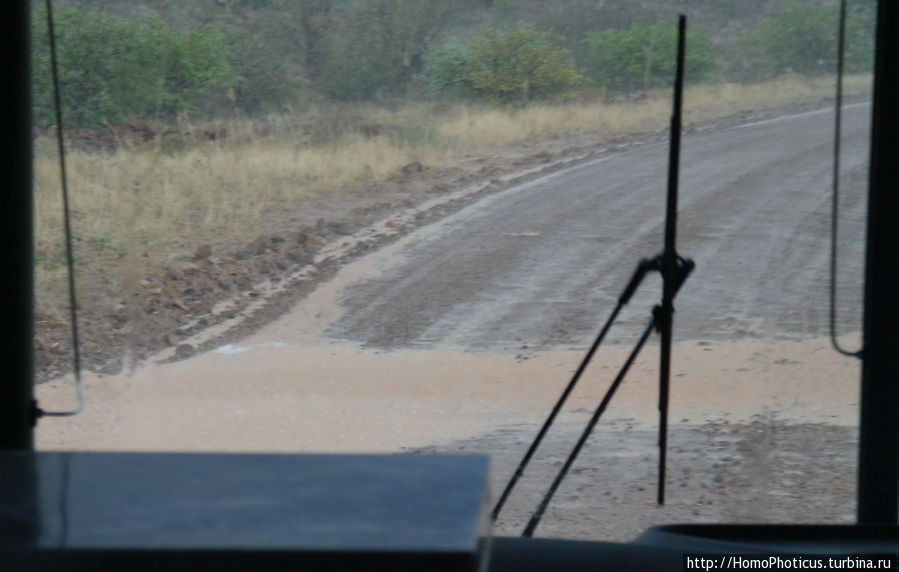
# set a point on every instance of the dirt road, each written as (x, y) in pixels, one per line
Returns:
(542, 263)
(460, 335)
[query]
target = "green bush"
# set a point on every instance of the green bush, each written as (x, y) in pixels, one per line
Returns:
(802, 38)
(444, 71)
(375, 47)
(520, 63)
(197, 67)
(111, 68)
(503, 65)
(268, 54)
(644, 57)
(358, 67)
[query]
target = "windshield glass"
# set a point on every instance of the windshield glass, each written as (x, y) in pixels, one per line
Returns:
(398, 226)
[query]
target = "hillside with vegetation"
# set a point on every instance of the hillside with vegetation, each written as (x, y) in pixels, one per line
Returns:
(221, 58)
(218, 144)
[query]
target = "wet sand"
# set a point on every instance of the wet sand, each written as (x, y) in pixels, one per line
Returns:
(749, 420)
(333, 397)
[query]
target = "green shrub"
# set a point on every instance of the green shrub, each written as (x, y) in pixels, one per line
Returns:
(801, 38)
(358, 68)
(513, 65)
(644, 57)
(112, 67)
(444, 71)
(266, 57)
(375, 47)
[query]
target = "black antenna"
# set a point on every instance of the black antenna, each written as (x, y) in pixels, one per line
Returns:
(67, 227)
(835, 201)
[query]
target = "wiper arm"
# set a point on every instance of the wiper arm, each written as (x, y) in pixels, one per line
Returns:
(674, 270)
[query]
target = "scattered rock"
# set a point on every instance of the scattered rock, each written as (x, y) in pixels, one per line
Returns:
(185, 351)
(299, 255)
(203, 251)
(189, 269)
(413, 167)
(258, 245)
(60, 348)
(199, 307)
(344, 228)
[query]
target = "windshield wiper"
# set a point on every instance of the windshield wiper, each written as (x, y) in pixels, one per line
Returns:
(674, 271)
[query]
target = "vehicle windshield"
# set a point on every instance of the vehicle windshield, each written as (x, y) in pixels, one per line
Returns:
(397, 226)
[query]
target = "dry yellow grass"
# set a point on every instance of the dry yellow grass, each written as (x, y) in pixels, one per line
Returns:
(483, 129)
(715, 100)
(214, 190)
(137, 206)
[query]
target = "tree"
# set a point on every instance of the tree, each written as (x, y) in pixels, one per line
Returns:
(519, 63)
(802, 38)
(377, 46)
(265, 45)
(444, 71)
(196, 67)
(315, 18)
(112, 67)
(644, 56)
(359, 64)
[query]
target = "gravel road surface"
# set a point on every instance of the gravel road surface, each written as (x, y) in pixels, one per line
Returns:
(542, 263)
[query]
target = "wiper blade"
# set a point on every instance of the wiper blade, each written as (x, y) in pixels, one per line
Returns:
(674, 270)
